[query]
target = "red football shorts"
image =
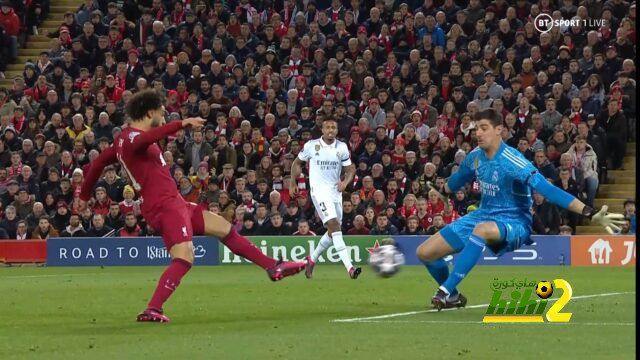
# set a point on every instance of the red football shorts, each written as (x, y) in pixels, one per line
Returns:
(197, 218)
(178, 221)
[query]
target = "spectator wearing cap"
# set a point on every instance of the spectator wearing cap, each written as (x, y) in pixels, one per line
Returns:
(494, 90)
(134, 66)
(129, 205)
(398, 155)
(624, 103)
(374, 114)
(23, 203)
(628, 89)
(355, 143)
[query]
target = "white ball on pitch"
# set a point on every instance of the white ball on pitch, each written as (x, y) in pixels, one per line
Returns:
(386, 260)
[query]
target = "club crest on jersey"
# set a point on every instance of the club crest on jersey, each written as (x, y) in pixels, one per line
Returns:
(132, 135)
(494, 177)
(317, 148)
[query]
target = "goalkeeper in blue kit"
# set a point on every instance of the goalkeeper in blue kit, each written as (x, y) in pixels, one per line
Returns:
(503, 221)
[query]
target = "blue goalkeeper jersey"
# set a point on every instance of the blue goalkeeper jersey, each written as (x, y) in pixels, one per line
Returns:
(505, 182)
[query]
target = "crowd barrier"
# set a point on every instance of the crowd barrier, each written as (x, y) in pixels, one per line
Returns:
(582, 250)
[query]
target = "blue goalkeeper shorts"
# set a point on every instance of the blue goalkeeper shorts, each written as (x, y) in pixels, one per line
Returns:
(513, 233)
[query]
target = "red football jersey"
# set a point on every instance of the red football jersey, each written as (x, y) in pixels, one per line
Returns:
(142, 159)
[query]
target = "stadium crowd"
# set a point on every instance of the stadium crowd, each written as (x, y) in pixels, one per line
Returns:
(403, 78)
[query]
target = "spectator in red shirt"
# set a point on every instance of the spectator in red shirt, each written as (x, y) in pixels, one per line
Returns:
(130, 228)
(111, 90)
(10, 21)
(129, 205)
(359, 227)
(409, 206)
(435, 204)
(398, 155)
(189, 192)
(101, 205)
(16, 165)
(449, 215)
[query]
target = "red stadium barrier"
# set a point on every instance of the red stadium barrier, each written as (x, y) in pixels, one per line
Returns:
(23, 251)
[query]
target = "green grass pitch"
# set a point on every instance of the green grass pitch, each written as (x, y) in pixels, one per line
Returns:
(235, 312)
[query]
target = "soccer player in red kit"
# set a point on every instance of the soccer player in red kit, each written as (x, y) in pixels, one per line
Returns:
(163, 207)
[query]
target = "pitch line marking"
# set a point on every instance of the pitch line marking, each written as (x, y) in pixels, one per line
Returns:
(484, 323)
(388, 316)
(45, 276)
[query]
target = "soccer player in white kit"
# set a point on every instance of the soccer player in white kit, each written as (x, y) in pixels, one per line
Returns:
(327, 157)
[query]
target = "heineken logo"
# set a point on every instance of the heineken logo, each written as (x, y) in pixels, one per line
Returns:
(296, 248)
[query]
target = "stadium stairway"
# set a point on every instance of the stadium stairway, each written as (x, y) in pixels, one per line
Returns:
(38, 43)
(621, 185)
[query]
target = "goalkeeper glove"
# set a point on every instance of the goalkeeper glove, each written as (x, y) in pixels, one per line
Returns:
(610, 221)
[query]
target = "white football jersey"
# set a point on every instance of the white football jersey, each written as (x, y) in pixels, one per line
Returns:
(325, 166)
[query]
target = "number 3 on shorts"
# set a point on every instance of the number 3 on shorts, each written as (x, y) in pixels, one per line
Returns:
(323, 208)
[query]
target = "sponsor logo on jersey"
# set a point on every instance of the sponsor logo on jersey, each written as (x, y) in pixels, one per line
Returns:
(132, 135)
(488, 188)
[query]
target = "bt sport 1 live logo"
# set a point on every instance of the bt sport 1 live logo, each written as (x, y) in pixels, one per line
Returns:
(544, 22)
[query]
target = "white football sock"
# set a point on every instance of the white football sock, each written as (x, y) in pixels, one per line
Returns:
(323, 244)
(341, 248)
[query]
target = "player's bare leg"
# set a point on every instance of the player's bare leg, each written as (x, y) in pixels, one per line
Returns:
(215, 225)
(182, 258)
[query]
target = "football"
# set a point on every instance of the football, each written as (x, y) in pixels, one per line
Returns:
(386, 260)
(544, 289)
